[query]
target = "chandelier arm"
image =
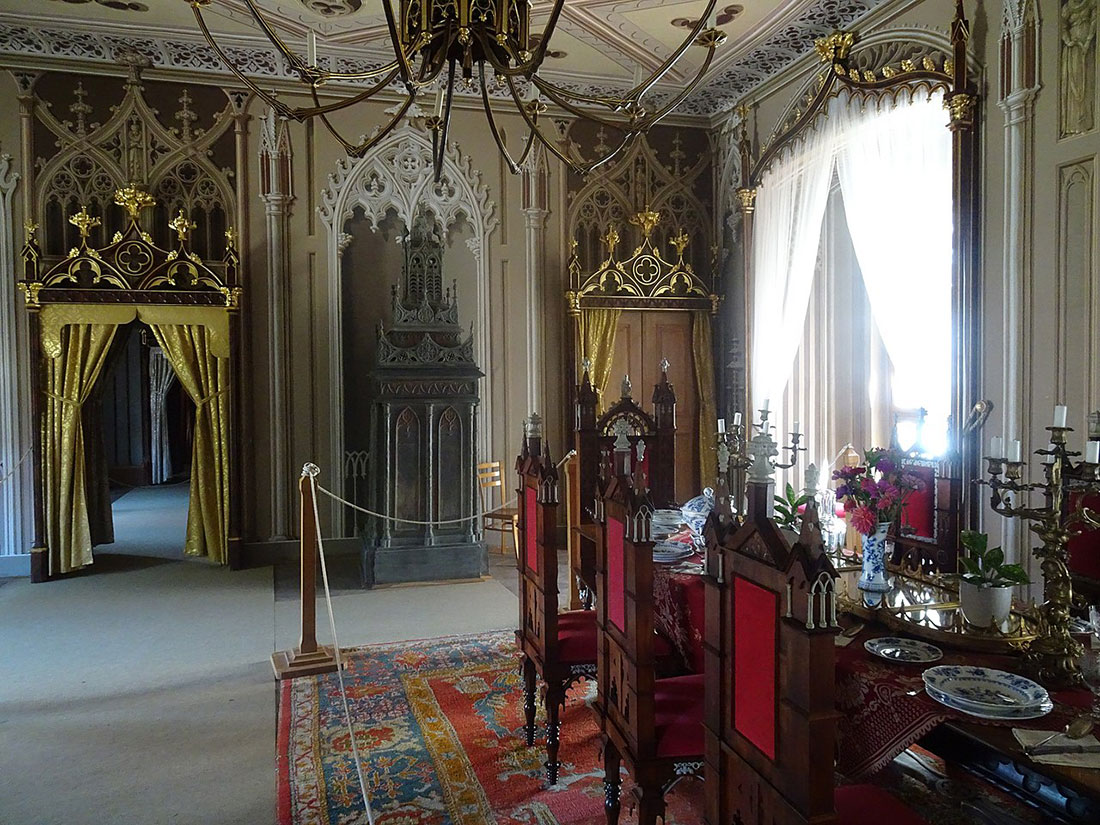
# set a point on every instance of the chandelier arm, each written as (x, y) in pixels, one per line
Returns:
(303, 113)
(572, 108)
(558, 93)
(270, 99)
(360, 149)
(271, 35)
(554, 150)
(398, 49)
(551, 24)
(673, 58)
(645, 123)
(444, 127)
(514, 166)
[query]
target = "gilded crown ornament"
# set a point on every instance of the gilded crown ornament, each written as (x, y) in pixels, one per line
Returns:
(182, 226)
(84, 222)
(679, 242)
(486, 46)
(834, 47)
(133, 200)
(31, 228)
(646, 220)
(230, 237)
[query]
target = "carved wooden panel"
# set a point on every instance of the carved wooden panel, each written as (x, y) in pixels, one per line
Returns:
(1078, 292)
(451, 473)
(407, 466)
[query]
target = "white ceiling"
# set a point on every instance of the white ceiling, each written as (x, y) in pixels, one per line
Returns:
(602, 41)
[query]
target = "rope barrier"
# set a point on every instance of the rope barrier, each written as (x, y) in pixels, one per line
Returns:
(15, 469)
(397, 520)
(337, 653)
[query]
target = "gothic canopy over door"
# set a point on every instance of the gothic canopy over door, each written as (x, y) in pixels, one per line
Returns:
(76, 304)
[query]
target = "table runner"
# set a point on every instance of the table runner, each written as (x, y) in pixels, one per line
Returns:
(884, 708)
(679, 604)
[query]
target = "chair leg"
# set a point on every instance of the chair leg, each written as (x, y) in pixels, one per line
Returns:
(529, 677)
(651, 804)
(555, 699)
(612, 783)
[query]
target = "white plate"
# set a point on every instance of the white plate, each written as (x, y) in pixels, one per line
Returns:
(1003, 714)
(981, 687)
(906, 651)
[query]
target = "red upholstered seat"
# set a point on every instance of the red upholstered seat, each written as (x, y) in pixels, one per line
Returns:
(678, 705)
(871, 805)
(577, 638)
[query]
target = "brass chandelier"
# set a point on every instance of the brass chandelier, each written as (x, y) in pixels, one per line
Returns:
(488, 45)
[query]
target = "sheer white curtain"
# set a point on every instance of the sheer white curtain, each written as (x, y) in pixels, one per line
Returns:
(161, 377)
(894, 165)
(790, 206)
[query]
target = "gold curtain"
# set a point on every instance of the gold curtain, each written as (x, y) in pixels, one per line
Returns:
(71, 372)
(702, 351)
(598, 328)
(205, 377)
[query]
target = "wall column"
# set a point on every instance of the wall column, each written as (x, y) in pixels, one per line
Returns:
(276, 192)
(536, 210)
(1019, 85)
(15, 461)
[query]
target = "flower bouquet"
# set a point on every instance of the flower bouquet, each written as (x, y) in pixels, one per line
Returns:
(874, 495)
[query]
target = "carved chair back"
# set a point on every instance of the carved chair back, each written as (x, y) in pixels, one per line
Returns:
(537, 557)
(771, 722)
(625, 657)
(926, 537)
(652, 440)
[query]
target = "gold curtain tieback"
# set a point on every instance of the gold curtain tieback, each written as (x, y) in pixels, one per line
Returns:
(63, 399)
(202, 402)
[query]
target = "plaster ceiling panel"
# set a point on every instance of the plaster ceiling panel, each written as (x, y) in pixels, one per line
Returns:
(669, 23)
(161, 14)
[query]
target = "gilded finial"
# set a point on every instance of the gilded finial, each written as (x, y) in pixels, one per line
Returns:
(182, 226)
(646, 220)
(230, 237)
(133, 200)
(610, 240)
(573, 246)
(834, 47)
(31, 229)
(84, 222)
(664, 365)
(586, 365)
(679, 242)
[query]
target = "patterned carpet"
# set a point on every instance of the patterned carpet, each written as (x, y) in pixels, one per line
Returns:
(439, 724)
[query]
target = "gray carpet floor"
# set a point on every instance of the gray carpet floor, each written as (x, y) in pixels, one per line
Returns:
(141, 690)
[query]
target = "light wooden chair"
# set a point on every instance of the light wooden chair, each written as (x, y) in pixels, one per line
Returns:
(496, 518)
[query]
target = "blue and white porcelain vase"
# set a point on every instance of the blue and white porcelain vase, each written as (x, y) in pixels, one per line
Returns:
(873, 580)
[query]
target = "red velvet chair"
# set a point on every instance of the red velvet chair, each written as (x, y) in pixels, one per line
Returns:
(1084, 551)
(926, 537)
(653, 725)
(771, 718)
(558, 647)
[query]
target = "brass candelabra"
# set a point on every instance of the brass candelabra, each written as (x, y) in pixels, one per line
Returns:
(742, 458)
(1053, 654)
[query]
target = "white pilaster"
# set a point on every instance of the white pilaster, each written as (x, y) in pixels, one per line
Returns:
(1019, 86)
(15, 467)
(277, 195)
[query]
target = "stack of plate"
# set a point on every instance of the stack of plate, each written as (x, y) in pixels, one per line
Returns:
(987, 693)
(669, 552)
(665, 523)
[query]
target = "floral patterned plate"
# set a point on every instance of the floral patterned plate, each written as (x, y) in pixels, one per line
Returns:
(984, 688)
(908, 651)
(984, 712)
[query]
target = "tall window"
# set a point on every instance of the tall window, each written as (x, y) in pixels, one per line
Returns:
(852, 279)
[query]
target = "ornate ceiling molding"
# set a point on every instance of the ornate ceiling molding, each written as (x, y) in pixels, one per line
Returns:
(770, 48)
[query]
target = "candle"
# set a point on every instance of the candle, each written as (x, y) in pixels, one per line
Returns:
(1014, 450)
(996, 447)
(767, 402)
(1092, 453)
(1059, 415)
(439, 102)
(1049, 459)
(721, 426)
(797, 428)
(311, 48)
(737, 419)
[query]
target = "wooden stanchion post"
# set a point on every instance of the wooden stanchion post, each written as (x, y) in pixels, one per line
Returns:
(308, 658)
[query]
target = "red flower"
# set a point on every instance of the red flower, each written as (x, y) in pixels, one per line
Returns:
(863, 520)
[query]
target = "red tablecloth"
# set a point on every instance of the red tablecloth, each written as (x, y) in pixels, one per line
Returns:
(884, 708)
(679, 604)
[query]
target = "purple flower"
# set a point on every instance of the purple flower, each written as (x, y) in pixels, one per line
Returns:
(885, 465)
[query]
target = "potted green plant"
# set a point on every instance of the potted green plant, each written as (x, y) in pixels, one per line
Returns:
(986, 581)
(787, 506)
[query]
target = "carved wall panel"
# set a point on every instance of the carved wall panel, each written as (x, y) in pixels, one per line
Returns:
(1077, 67)
(1078, 291)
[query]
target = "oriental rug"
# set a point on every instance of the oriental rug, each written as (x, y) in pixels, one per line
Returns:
(439, 725)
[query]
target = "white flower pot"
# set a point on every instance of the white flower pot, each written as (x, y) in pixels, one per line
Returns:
(985, 606)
